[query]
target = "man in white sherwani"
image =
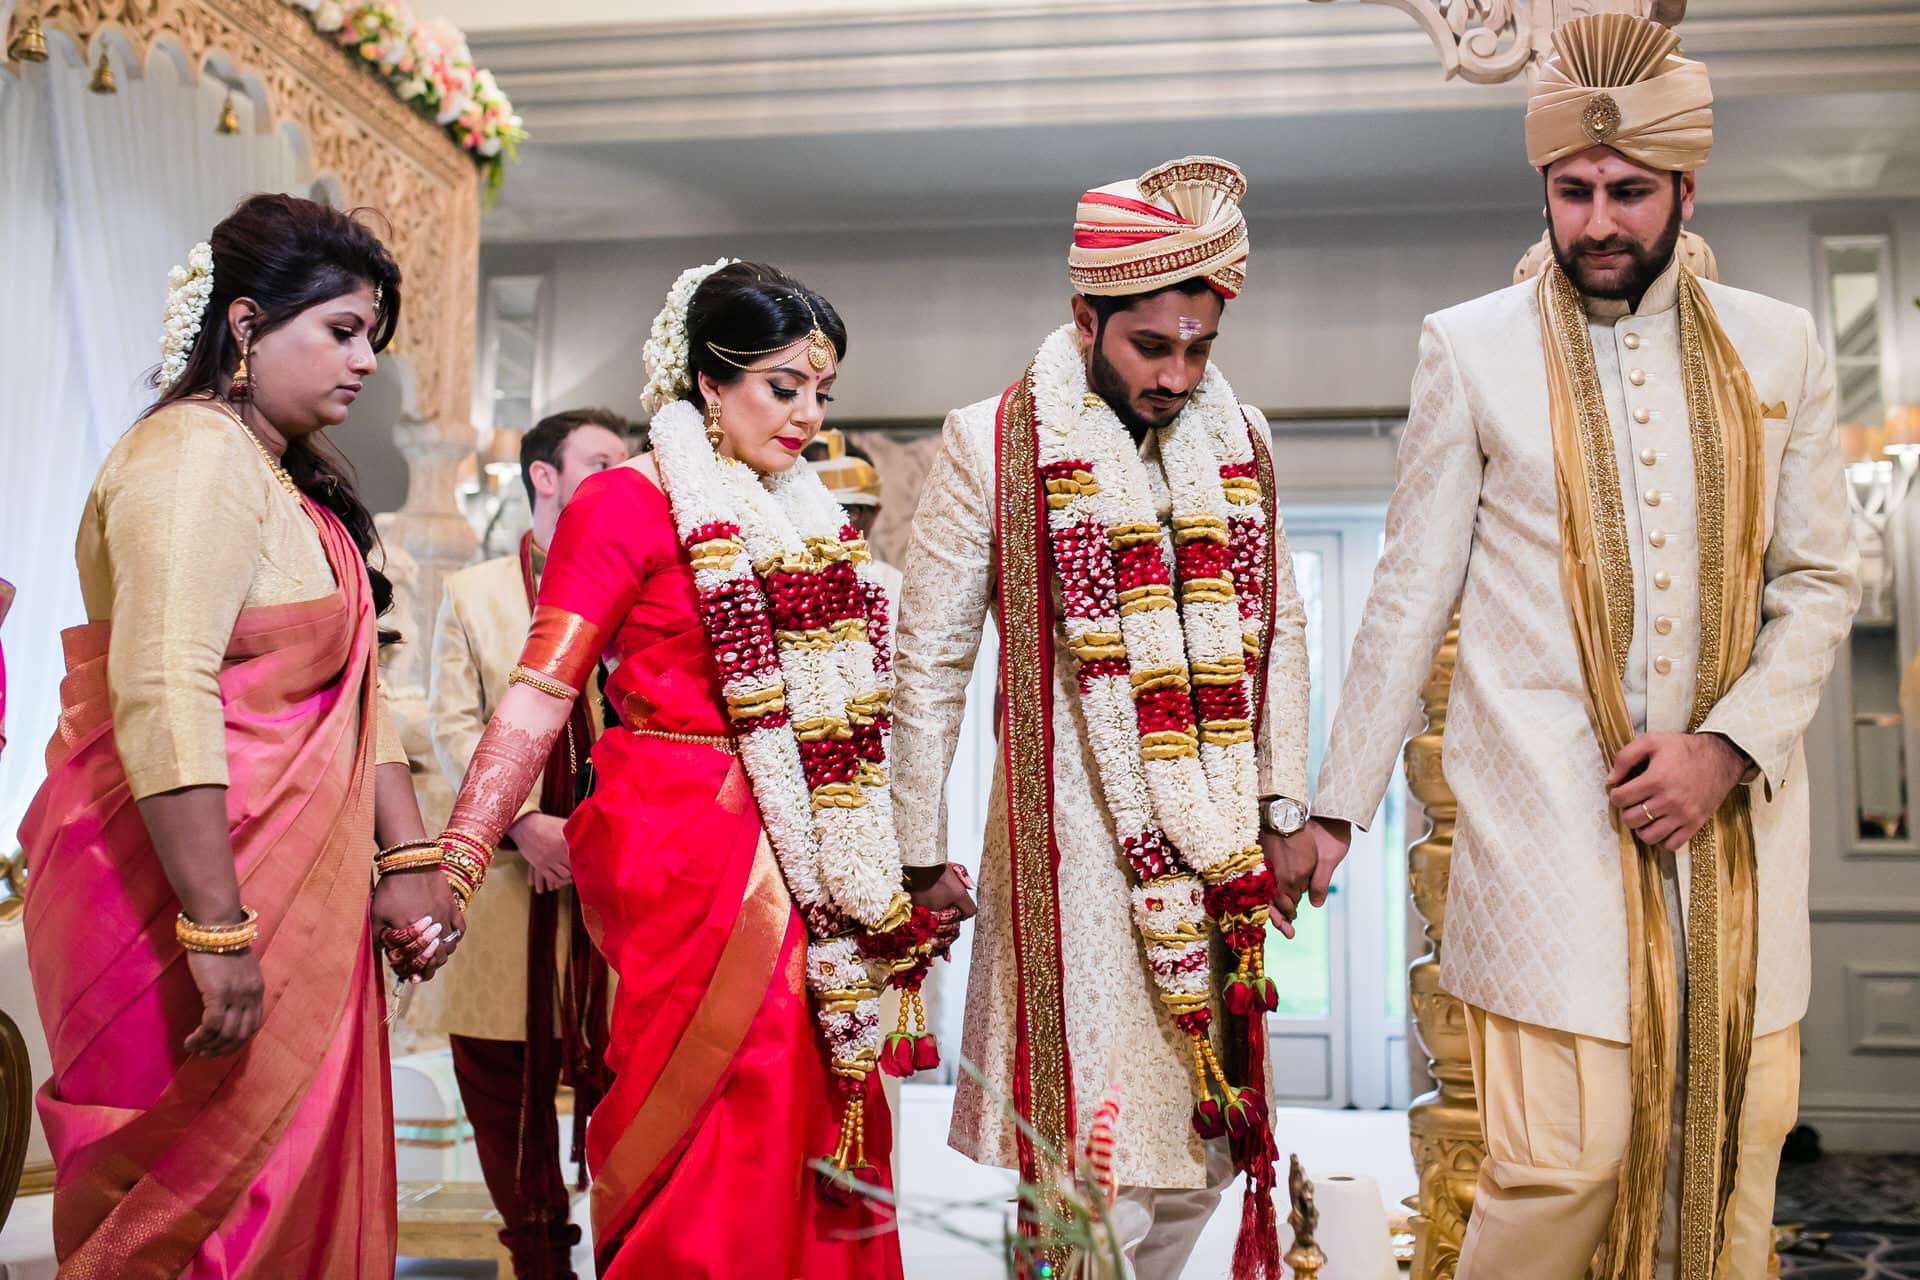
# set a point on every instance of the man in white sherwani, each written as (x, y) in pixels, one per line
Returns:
(1628, 480)
(1120, 434)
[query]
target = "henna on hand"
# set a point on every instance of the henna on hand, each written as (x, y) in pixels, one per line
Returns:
(505, 766)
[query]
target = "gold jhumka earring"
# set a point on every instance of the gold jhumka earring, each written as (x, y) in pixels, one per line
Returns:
(240, 386)
(714, 434)
(819, 345)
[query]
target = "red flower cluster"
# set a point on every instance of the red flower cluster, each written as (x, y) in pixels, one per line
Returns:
(1202, 558)
(1139, 567)
(1164, 711)
(1085, 568)
(1246, 560)
(736, 620)
(879, 630)
(1233, 903)
(1151, 856)
(1099, 667)
(827, 761)
(1217, 702)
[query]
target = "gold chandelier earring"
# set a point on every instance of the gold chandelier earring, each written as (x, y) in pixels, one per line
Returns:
(714, 434)
(240, 386)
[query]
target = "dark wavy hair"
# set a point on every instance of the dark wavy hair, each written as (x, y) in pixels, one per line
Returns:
(289, 254)
(750, 306)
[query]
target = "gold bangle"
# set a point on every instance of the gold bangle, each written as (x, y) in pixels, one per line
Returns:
(552, 688)
(217, 939)
(426, 842)
(462, 890)
(407, 860)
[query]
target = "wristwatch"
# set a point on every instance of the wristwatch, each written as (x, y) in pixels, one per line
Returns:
(1282, 816)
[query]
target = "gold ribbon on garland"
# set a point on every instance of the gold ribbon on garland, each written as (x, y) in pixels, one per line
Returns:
(1596, 573)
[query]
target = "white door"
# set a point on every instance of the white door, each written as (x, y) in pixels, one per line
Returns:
(1339, 1036)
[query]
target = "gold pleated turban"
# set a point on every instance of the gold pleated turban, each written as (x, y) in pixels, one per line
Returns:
(1180, 221)
(1614, 80)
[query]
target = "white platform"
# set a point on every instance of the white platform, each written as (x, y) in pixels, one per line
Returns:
(934, 1180)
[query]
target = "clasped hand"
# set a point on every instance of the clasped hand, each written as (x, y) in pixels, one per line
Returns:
(1303, 865)
(950, 898)
(1667, 785)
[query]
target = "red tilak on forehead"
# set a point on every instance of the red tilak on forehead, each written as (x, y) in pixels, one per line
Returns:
(1190, 328)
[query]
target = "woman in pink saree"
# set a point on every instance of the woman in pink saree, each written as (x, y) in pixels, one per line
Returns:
(201, 853)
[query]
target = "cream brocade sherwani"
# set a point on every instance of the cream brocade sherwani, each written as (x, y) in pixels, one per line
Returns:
(1117, 1029)
(477, 637)
(1535, 915)
(185, 526)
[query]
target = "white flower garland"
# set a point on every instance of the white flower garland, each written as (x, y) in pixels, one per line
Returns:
(188, 290)
(1207, 803)
(811, 715)
(665, 354)
(1168, 642)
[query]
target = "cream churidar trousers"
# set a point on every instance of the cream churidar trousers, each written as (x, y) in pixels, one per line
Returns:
(1554, 1109)
(1158, 1227)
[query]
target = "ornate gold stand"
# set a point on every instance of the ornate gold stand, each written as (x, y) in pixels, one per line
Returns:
(1444, 1124)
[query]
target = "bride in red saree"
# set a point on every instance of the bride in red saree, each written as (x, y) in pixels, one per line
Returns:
(735, 858)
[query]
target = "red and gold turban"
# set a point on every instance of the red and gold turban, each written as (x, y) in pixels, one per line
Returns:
(1181, 221)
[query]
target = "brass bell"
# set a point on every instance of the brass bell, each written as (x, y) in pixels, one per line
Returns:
(30, 45)
(102, 81)
(229, 119)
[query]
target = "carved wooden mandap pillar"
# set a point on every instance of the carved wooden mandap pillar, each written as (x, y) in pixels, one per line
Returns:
(1444, 1125)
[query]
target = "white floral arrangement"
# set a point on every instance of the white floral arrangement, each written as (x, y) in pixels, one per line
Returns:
(669, 375)
(188, 289)
(790, 603)
(1168, 640)
(427, 64)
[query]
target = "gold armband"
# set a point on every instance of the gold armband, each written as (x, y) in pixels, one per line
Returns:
(533, 679)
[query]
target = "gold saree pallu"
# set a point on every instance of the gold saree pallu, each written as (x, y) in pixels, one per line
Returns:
(1596, 572)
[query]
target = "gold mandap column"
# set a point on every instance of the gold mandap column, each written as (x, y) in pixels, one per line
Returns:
(1445, 1124)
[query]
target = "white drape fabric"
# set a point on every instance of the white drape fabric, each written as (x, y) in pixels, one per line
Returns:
(99, 195)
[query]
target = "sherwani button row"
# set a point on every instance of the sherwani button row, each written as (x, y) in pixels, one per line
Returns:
(1663, 664)
(1633, 341)
(1640, 416)
(1657, 538)
(1662, 580)
(1653, 497)
(1663, 624)
(1638, 377)
(1649, 457)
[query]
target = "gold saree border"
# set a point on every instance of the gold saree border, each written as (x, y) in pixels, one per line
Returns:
(699, 1061)
(1721, 942)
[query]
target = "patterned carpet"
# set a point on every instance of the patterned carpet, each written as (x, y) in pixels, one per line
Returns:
(1869, 1208)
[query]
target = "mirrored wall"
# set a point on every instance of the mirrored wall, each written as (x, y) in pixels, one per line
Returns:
(1881, 441)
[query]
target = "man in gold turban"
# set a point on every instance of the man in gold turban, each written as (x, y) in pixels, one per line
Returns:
(1626, 479)
(1113, 509)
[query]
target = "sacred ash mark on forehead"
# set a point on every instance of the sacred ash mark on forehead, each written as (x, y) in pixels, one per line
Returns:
(1190, 328)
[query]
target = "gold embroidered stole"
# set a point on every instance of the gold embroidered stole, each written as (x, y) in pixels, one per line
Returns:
(1596, 574)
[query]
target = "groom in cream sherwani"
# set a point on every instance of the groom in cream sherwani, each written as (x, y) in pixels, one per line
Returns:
(1627, 479)
(1051, 1021)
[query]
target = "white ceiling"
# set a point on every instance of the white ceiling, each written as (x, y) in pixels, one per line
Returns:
(981, 116)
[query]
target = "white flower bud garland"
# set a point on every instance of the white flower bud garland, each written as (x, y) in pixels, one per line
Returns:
(665, 352)
(1167, 645)
(188, 290)
(786, 596)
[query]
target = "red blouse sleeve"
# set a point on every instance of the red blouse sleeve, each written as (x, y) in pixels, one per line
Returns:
(608, 540)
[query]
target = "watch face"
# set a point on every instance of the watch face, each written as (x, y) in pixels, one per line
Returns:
(1286, 816)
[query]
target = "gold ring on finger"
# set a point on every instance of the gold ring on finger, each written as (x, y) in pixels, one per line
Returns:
(1650, 818)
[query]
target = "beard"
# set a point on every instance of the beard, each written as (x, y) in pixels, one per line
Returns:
(1106, 382)
(1644, 262)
